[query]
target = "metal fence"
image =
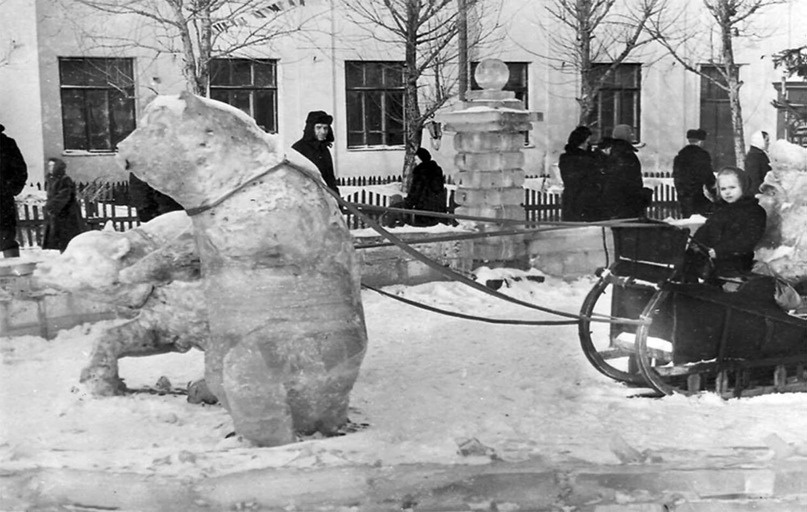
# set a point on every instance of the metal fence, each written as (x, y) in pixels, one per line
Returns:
(109, 202)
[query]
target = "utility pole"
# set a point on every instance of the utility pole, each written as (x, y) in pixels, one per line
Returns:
(462, 39)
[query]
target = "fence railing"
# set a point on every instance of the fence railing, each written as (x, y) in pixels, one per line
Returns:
(109, 202)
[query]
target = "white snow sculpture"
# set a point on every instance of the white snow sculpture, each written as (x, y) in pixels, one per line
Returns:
(281, 280)
(784, 197)
(151, 274)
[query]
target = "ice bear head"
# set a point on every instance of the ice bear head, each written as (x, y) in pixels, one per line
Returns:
(195, 149)
(91, 266)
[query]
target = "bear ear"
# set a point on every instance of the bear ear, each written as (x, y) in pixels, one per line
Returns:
(120, 248)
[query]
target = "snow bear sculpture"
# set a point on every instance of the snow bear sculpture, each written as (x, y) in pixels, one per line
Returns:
(281, 280)
(784, 197)
(151, 274)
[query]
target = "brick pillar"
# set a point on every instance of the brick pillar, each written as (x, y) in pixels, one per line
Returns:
(489, 140)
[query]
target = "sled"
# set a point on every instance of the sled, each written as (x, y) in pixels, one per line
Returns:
(688, 338)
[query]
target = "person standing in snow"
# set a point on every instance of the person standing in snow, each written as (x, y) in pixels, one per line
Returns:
(624, 195)
(757, 164)
(147, 201)
(315, 145)
(63, 219)
(427, 191)
(13, 174)
(582, 175)
(692, 172)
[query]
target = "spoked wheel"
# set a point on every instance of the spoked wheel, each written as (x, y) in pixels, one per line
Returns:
(599, 339)
(653, 360)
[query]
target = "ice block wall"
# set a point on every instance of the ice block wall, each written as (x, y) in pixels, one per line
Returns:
(489, 137)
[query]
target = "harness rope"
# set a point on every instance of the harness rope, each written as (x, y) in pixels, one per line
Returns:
(356, 209)
(455, 276)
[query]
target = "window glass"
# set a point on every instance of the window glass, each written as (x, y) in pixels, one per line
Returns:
(265, 108)
(241, 72)
(75, 131)
(98, 120)
(219, 72)
(619, 99)
(373, 75)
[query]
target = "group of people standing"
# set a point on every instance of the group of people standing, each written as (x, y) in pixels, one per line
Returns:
(605, 182)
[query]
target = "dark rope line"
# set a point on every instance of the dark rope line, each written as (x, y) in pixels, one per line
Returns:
(627, 222)
(464, 236)
(455, 314)
(454, 276)
(203, 208)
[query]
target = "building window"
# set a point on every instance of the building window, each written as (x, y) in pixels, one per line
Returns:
(375, 103)
(98, 106)
(791, 109)
(517, 82)
(249, 85)
(618, 100)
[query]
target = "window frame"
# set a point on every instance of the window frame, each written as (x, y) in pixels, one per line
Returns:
(616, 86)
(359, 91)
(252, 89)
(111, 86)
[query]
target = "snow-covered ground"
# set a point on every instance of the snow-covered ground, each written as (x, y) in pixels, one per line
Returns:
(429, 384)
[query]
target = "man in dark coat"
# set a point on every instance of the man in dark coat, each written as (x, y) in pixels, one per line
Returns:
(692, 171)
(13, 174)
(149, 202)
(757, 164)
(623, 193)
(315, 144)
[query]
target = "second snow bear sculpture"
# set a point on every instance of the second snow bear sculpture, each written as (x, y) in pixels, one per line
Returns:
(151, 275)
(784, 196)
(281, 280)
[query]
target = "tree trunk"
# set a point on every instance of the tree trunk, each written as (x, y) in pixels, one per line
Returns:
(188, 55)
(584, 35)
(733, 81)
(205, 50)
(413, 122)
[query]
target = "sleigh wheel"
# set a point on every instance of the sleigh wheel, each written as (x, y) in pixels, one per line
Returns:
(599, 339)
(653, 360)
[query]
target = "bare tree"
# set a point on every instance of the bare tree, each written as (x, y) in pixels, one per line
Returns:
(200, 30)
(731, 21)
(595, 38)
(427, 32)
(793, 61)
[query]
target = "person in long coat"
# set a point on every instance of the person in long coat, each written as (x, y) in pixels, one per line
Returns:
(13, 174)
(63, 219)
(427, 191)
(149, 202)
(692, 171)
(581, 170)
(730, 235)
(623, 193)
(757, 164)
(315, 145)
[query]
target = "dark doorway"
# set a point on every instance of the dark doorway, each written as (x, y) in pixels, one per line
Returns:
(716, 120)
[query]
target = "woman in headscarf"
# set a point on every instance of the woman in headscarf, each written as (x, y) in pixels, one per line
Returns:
(581, 172)
(63, 219)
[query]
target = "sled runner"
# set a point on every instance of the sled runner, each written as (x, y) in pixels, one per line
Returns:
(690, 338)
